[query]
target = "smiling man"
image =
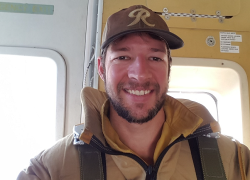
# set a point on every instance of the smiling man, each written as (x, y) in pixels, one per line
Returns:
(134, 130)
(136, 76)
(136, 81)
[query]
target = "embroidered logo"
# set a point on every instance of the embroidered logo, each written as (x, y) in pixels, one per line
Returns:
(142, 14)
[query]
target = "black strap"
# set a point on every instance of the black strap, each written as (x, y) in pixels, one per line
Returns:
(193, 143)
(206, 157)
(92, 163)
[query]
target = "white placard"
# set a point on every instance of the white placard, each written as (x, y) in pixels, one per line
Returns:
(230, 49)
(225, 42)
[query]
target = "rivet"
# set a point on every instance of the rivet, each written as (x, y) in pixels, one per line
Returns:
(217, 13)
(167, 17)
(165, 10)
(221, 20)
(192, 11)
(193, 18)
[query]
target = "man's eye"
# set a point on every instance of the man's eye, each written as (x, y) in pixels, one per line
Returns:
(156, 59)
(122, 58)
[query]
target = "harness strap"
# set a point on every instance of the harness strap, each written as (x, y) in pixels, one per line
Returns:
(210, 159)
(92, 163)
(193, 143)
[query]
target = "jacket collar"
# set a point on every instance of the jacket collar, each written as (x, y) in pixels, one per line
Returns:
(183, 116)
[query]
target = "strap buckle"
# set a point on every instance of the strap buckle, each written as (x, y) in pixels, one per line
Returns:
(212, 135)
(77, 130)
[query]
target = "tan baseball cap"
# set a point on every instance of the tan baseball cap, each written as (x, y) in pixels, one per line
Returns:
(138, 18)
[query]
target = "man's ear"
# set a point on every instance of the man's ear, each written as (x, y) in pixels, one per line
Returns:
(100, 68)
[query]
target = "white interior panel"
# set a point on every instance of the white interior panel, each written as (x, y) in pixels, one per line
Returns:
(63, 32)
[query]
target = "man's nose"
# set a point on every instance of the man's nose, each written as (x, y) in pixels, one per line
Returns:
(140, 69)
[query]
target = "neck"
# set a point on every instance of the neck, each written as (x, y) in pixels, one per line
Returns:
(140, 138)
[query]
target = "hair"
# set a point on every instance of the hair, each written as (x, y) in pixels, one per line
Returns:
(152, 35)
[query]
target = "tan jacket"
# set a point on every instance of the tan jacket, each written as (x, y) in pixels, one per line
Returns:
(61, 162)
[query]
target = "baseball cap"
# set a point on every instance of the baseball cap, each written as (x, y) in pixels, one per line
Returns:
(138, 18)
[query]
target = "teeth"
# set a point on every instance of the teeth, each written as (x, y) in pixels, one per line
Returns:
(138, 93)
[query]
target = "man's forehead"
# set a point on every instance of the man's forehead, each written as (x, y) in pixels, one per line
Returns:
(118, 44)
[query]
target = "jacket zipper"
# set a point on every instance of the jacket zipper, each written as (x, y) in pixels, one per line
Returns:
(199, 132)
(151, 171)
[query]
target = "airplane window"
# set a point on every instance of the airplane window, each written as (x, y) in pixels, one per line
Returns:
(206, 99)
(28, 110)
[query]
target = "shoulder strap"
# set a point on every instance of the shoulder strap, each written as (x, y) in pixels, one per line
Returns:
(205, 153)
(92, 163)
(193, 144)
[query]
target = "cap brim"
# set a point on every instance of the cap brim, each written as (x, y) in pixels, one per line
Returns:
(174, 42)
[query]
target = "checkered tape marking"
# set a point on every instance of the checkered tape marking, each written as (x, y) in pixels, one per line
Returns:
(192, 15)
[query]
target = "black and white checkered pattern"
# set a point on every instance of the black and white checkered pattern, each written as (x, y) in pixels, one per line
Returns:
(192, 15)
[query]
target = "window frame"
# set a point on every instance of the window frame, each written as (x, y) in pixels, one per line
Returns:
(243, 87)
(198, 92)
(61, 79)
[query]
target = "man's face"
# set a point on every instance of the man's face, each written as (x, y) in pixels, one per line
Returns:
(136, 76)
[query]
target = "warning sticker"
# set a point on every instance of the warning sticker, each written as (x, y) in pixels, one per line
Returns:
(225, 42)
(230, 49)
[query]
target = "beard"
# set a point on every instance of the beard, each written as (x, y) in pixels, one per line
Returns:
(126, 113)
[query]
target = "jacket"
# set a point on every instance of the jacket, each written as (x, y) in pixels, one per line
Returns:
(62, 160)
